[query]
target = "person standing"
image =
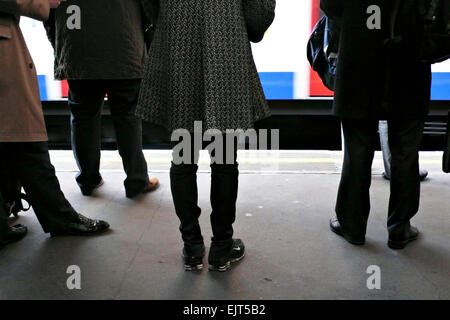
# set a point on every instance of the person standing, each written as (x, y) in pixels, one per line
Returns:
(100, 49)
(23, 136)
(373, 84)
(200, 68)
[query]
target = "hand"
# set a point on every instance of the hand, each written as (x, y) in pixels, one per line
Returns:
(55, 3)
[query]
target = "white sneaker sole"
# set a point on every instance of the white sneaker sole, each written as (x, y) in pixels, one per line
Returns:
(227, 266)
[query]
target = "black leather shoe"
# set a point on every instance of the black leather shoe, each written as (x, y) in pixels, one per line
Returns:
(401, 244)
(335, 226)
(87, 191)
(14, 234)
(84, 226)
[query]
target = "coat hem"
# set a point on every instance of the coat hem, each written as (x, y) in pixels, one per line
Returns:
(20, 139)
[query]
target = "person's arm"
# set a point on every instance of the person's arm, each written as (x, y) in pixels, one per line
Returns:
(36, 9)
(332, 8)
(446, 13)
(50, 28)
(150, 9)
(259, 15)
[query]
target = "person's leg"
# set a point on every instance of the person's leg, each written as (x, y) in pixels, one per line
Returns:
(183, 183)
(3, 219)
(405, 138)
(385, 149)
(8, 234)
(37, 175)
(31, 160)
(123, 96)
(353, 201)
(224, 193)
(85, 101)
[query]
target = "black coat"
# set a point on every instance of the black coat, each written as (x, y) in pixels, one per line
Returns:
(109, 45)
(369, 83)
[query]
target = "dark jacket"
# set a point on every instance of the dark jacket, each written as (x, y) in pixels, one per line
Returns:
(369, 82)
(109, 45)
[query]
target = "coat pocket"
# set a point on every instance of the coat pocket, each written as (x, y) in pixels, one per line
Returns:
(5, 32)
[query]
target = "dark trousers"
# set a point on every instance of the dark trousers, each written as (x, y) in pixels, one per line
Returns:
(31, 162)
(353, 202)
(223, 197)
(86, 98)
(3, 219)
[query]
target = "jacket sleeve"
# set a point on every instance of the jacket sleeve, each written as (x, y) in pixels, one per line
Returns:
(36, 9)
(332, 8)
(259, 15)
(50, 28)
(150, 9)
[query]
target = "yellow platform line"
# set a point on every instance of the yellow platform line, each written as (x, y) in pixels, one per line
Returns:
(245, 160)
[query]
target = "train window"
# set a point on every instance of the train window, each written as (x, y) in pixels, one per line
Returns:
(280, 58)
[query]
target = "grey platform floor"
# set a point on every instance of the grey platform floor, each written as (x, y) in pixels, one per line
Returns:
(285, 202)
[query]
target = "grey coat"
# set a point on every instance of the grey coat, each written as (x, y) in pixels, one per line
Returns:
(200, 65)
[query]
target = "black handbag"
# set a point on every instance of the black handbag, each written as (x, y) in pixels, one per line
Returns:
(446, 160)
(322, 51)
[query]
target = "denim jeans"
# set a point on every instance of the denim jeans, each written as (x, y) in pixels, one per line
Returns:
(385, 149)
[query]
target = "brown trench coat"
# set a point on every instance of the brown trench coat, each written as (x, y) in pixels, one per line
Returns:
(21, 115)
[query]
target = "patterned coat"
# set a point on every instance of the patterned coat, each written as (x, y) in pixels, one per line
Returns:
(201, 67)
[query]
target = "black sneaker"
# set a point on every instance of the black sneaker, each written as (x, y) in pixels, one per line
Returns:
(236, 254)
(192, 262)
